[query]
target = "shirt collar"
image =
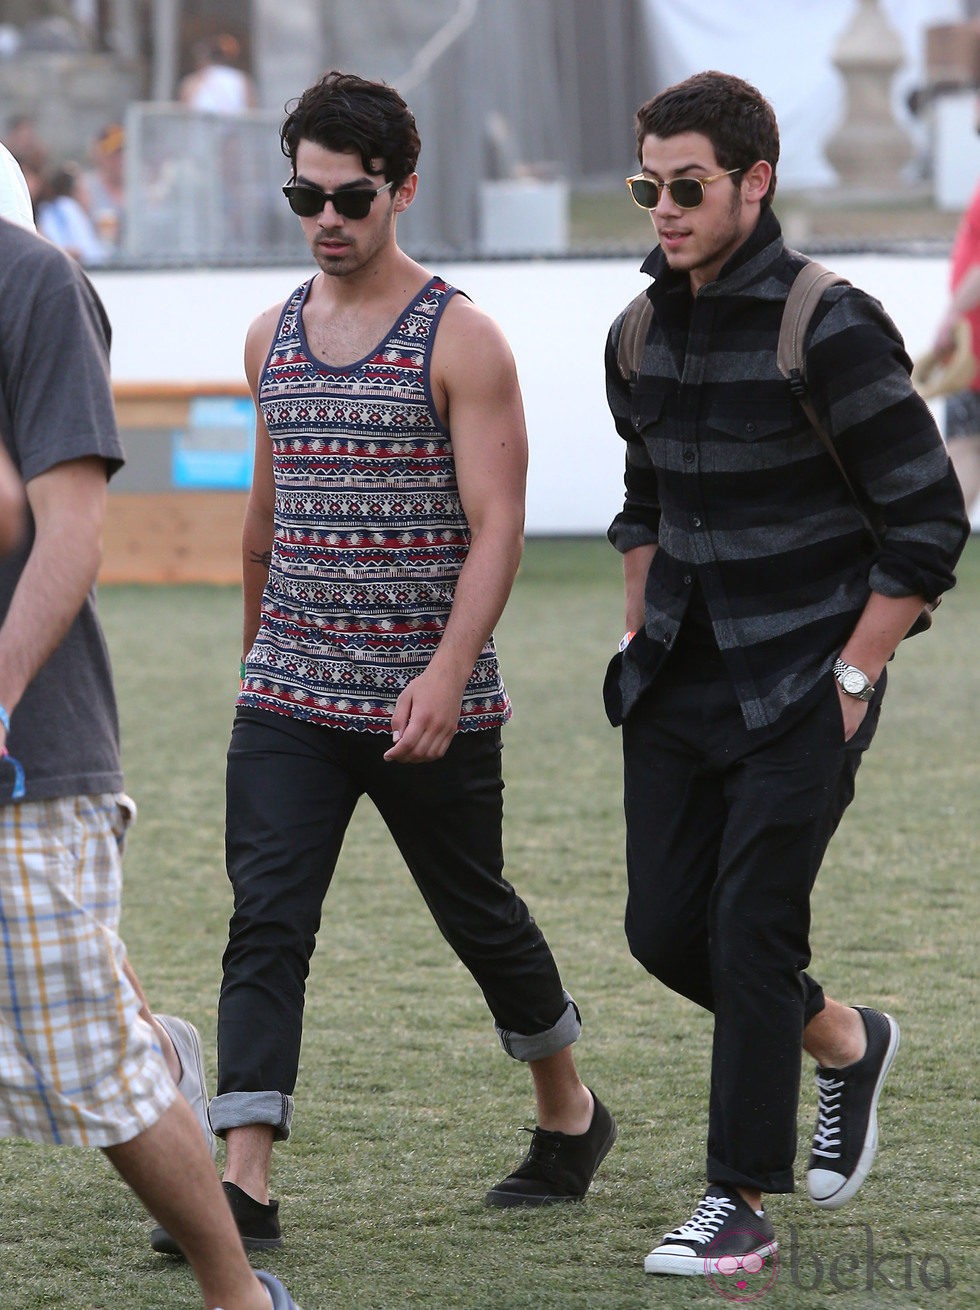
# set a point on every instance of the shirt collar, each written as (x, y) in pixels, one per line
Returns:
(742, 269)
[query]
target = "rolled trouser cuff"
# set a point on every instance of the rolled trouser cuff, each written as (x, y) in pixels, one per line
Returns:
(243, 1109)
(538, 1046)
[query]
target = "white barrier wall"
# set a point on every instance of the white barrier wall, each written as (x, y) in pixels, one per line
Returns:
(190, 327)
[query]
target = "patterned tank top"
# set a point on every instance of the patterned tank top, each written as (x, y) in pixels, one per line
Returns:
(370, 534)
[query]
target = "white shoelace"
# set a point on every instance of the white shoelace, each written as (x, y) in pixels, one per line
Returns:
(826, 1137)
(704, 1223)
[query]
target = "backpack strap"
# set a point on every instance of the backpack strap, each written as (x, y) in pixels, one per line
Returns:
(633, 336)
(804, 295)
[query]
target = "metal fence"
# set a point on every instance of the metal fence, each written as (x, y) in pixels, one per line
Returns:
(517, 105)
(205, 189)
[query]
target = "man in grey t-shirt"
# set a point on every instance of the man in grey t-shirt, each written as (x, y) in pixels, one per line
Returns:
(78, 1063)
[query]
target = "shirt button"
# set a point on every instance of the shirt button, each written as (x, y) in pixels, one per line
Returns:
(750, 427)
(688, 456)
(667, 640)
(696, 521)
(687, 579)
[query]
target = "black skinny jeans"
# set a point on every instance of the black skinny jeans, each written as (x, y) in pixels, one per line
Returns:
(291, 791)
(725, 835)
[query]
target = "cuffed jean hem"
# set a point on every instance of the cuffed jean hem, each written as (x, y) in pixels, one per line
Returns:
(540, 1045)
(243, 1109)
(776, 1181)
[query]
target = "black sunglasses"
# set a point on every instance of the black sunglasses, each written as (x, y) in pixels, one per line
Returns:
(308, 201)
(686, 192)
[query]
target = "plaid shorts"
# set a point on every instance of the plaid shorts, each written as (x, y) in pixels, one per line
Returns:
(78, 1066)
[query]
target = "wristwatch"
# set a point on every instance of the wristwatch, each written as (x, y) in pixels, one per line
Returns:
(852, 681)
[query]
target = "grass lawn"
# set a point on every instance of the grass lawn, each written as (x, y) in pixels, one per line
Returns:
(407, 1110)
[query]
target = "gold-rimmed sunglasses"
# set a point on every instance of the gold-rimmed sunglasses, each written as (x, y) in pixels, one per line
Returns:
(686, 192)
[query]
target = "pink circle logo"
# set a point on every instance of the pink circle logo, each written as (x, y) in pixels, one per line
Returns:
(743, 1277)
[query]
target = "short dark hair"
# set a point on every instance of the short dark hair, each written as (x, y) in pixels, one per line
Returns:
(344, 112)
(735, 117)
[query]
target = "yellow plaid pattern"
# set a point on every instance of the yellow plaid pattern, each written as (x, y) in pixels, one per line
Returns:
(77, 1064)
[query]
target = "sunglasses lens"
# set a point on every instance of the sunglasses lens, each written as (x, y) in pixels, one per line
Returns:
(645, 192)
(686, 192)
(306, 201)
(353, 204)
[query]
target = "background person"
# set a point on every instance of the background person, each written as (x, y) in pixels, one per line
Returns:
(963, 407)
(105, 187)
(63, 217)
(217, 85)
(78, 1064)
(764, 617)
(25, 142)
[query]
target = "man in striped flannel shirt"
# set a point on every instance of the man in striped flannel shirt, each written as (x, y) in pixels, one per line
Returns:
(764, 615)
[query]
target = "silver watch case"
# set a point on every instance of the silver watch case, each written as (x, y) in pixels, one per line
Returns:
(852, 681)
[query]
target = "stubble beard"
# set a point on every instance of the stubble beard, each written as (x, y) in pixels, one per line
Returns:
(725, 244)
(355, 256)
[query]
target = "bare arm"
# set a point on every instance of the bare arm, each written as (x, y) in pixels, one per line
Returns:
(965, 298)
(474, 368)
(68, 505)
(11, 504)
(257, 531)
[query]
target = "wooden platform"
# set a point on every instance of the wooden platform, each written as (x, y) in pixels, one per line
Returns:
(174, 536)
(168, 535)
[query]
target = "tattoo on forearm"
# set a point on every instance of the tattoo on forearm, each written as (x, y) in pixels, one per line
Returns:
(263, 557)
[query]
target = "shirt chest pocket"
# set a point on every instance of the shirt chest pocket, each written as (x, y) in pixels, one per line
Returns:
(763, 420)
(648, 413)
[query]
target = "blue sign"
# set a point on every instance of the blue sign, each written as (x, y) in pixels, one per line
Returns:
(215, 451)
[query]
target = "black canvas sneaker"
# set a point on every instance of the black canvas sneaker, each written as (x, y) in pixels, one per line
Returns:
(258, 1224)
(722, 1233)
(846, 1137)
(558, 1166)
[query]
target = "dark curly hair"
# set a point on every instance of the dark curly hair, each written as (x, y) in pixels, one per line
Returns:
(344, 112)
(735, 117)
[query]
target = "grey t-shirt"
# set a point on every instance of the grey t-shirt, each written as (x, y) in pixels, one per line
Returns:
(56, 405)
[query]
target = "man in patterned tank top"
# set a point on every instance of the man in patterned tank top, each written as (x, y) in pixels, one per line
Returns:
(382, 537)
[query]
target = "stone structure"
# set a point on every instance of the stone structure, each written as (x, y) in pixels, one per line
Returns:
(869, 149)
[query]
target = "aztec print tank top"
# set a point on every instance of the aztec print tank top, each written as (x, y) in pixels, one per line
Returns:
(370, 534)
